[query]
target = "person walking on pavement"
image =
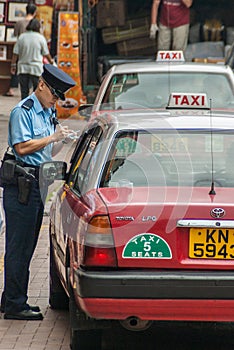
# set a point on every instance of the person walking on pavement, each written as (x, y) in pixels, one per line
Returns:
(34, 139)
(19, 28)
(173, 19)
(29, 51)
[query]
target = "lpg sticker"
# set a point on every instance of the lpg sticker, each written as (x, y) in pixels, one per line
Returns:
(147, 246)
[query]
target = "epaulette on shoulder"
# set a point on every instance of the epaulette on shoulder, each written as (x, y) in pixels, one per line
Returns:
(28, 104)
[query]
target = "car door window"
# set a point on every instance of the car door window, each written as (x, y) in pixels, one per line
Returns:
(81, 169)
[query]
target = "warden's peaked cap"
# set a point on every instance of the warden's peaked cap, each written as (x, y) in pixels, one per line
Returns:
(57, 79)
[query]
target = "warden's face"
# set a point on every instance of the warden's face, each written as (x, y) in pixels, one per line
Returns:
(46, 94)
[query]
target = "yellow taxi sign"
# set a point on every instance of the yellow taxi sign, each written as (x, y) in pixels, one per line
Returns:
(170, 56)
(188, 100)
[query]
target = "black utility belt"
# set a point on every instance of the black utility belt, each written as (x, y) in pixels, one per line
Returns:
(11, 170)
(21, 174)
(34, 169)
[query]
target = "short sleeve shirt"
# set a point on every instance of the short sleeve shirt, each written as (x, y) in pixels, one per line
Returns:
(25, 125)
(174, 13)
(30, 48)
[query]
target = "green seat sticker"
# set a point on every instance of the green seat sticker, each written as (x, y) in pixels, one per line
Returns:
(147, 246)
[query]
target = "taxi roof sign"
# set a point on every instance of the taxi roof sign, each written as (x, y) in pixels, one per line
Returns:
(181, 100)
(170, 56)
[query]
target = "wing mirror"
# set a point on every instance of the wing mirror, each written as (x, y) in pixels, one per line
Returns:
(85, 110)
(50, 171)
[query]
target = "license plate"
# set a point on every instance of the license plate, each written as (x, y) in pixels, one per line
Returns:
(211, 243)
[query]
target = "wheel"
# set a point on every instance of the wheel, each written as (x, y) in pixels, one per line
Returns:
(83, 332)
(58, 298)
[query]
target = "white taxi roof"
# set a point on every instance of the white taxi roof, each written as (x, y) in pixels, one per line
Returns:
(145, 67)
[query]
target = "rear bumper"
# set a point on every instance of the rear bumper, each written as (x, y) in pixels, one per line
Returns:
(181, 296)
(155, 285)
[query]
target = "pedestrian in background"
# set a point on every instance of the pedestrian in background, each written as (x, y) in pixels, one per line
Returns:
(171, 19)
(19, 28)
(28, 54)
(34, 139)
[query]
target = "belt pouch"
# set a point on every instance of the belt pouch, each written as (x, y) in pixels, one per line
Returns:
(24, 188)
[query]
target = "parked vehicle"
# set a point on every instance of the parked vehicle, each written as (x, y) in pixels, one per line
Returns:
(142, 228)
(149, 84)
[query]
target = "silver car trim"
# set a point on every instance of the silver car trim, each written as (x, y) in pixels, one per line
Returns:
(206, 223)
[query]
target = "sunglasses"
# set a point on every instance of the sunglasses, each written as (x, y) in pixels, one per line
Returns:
(52, 90)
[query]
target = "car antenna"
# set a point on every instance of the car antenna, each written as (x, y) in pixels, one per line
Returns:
(212, 190)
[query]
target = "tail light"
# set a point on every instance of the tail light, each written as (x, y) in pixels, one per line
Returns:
(99, 250)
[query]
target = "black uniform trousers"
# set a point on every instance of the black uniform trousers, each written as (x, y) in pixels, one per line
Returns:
(23, 223)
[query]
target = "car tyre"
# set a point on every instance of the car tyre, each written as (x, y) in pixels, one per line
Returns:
(58, 298)
(82, 338)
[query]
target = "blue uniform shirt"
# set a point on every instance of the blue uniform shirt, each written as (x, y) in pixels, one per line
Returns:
(27, 124)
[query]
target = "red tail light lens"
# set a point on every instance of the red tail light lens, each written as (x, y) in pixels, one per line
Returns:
(100, 257)
(99, 248)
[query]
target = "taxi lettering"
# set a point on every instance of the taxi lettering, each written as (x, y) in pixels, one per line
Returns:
(170, 56)
(150, 239)
(189, 100)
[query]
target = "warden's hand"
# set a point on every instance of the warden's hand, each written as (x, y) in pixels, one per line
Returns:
(61, 133)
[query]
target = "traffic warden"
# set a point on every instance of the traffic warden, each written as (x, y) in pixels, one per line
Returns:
(34, 138)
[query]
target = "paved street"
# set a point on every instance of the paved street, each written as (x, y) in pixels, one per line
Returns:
(53, 332)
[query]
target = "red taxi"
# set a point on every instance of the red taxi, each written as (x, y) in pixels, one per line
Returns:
(143, 227)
